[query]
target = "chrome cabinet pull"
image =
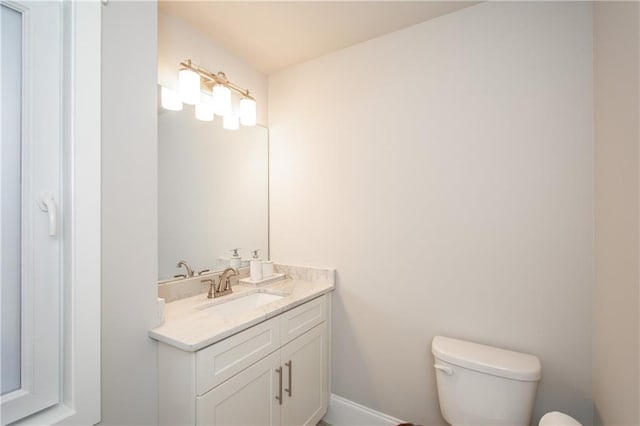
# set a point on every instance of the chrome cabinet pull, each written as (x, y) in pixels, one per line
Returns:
(279, 397)
(290, 365)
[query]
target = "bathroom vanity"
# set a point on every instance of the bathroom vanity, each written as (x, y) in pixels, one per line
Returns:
(259, 357)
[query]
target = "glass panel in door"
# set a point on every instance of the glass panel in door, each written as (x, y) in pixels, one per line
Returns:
(30, 175)
(10, 197)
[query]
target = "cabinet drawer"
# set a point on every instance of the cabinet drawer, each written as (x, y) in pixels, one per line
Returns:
(297, 321)
(220, 361)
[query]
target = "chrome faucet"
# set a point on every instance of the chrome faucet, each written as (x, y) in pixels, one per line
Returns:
(187, 267)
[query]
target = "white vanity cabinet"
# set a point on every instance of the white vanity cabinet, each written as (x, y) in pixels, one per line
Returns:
(273, 373)
(305, 378)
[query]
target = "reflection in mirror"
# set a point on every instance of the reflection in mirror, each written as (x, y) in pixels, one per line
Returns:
(212, 192)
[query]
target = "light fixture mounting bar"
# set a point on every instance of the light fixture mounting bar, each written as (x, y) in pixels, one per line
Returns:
(219, 78)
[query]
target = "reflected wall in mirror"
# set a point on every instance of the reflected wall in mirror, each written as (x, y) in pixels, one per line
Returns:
(212, 192)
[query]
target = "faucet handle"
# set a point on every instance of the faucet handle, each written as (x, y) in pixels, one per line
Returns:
(211, 286)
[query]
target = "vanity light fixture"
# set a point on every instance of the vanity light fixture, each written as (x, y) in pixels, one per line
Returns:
(221, 100)
(204, 108)
(211, 94)
(189, 86)
(248, 112)
(170, 100)
(231, 122)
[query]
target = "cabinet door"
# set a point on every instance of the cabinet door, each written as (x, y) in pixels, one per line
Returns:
(304, 361)
(249, 398)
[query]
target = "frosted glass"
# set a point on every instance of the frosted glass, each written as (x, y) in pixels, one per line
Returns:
(10, 196)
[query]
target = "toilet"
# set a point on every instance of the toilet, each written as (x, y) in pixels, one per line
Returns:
(484, 385)
(556, 418)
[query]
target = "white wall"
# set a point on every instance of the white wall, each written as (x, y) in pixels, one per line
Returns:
(615, 297)
(129, 212)
(177, 41)
(446, 171)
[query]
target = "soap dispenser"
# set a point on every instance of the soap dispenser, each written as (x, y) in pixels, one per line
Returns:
(255, 267)
(236, 260)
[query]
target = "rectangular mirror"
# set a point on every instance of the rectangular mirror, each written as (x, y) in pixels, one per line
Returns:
(212, 192)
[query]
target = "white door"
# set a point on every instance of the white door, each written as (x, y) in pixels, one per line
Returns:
(305, 370)
(30, 181)
(247, 399)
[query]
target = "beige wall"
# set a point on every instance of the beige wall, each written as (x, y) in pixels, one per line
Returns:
(446, 171)
(129, 213)
(178, 41)
(615, 295)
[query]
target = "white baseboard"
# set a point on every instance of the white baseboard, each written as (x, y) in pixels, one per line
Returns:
(343, 412)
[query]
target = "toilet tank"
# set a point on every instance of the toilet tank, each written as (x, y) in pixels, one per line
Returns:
(484, 385)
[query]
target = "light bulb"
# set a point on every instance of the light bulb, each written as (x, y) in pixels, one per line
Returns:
(170, 100)
(231, 122)
(189, 84)
(204, 108)
(248, 112)
(221, 100)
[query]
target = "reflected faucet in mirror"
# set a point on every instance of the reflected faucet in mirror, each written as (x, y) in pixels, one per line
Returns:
(186, 265)
(220, 290)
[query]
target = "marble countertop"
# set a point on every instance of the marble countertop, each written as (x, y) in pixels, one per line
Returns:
(188, 328)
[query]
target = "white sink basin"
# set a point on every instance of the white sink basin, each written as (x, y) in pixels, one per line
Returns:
(244, 303)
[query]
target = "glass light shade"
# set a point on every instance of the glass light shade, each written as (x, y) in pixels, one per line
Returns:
(247, 112)
(221, 100)
(231, 122)
(204, 109)
(170, 100)
(189, 87)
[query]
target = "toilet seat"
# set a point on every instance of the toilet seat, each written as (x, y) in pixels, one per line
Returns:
(556, 418)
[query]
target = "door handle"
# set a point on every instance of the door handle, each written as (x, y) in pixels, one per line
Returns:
(48, 204)
(279, 397)
(290, 365)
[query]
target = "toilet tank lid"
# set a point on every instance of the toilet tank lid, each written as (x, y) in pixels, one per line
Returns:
(487, 359)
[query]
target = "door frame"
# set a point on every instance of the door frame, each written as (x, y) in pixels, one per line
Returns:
(80, 393)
